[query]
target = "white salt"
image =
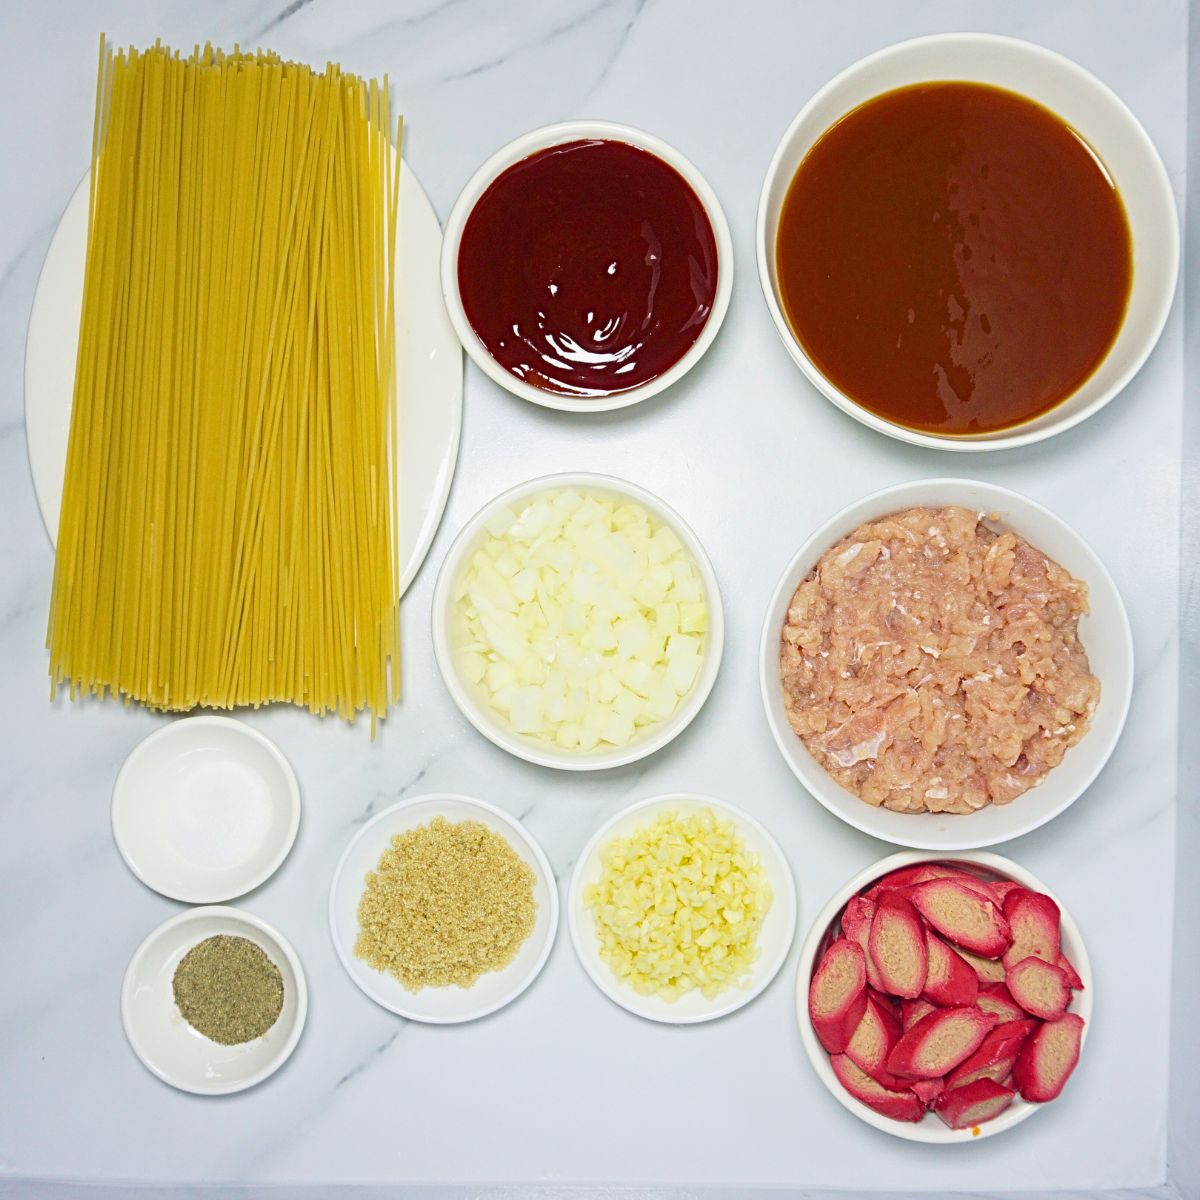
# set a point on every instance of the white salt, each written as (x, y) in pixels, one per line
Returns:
(220, 814)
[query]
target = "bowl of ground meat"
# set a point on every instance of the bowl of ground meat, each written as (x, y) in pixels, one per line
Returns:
(946, 664)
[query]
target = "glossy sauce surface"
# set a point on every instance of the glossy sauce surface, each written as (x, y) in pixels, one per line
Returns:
(588, 268)
(954, 257)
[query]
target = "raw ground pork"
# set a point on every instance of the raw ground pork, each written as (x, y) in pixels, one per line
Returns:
(932, 664)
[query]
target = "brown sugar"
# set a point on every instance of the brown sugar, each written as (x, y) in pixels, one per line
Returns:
(446, 903)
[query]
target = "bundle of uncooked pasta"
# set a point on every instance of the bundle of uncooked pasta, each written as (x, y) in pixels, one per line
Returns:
(228, 528)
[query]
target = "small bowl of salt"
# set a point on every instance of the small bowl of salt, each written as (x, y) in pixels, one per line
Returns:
(205, 809)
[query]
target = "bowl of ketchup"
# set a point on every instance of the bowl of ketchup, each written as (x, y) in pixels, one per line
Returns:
(586, 266)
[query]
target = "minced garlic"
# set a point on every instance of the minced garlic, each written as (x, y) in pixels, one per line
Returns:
(679, 904)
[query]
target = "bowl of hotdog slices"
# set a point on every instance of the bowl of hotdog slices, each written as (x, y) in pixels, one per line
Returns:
(944, 999)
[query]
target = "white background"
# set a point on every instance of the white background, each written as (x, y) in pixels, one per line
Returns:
(563, 1086)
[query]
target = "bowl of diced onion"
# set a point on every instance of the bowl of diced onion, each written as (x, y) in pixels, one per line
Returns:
(577, 622)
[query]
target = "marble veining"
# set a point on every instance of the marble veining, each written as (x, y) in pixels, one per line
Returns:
(563, 1086)
(377, 1053)
(290, 11)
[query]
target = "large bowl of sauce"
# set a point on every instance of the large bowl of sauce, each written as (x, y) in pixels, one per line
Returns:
(587, 266)
(968, 242)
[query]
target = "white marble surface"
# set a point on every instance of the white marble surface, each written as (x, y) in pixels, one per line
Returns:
(563, 1086)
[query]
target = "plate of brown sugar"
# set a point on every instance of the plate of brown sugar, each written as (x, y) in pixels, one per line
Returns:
(443, 909)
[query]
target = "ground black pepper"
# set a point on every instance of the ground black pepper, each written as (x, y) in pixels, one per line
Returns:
(228, 989)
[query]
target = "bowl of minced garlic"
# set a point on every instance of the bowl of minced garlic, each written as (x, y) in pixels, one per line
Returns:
(443, 909)
(682, 908)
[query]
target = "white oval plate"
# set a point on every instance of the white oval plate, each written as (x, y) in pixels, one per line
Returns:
(445, 1005)
(429, 381)
(931, 1128)
(205, 809)
(775, 937)
(168, 1045)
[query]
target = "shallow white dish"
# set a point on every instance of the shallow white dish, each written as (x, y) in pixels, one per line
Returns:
(168, 1045)
(1078, 98)
(775, 937)
(448, 1005)
(205, 809)
(428, 363)
(470, 699)
(542, 139)
(931, 1128)
(1104, 633)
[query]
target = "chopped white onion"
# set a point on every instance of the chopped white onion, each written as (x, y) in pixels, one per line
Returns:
(581, 619)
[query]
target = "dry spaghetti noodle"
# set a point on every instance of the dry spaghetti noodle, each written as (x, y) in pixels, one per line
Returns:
(228, 527)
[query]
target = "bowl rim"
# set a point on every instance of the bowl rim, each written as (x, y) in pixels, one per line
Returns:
(816, 544)
(927, 1130)
(268, 931)
(182, 727)
(543, 138)
(1018, 435)
(725, 1003)
(545, 755)
(546, 871)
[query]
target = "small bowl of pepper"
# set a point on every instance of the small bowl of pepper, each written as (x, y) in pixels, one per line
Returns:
(586, 266)
(214, 1001)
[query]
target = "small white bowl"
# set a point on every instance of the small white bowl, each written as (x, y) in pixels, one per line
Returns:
(931, 1128)
(1078, 98)
(168, 1045)
(470, 699)
(1104, 633)
(444, 1005)
(775, 937)
(531, 143)
(205, 809)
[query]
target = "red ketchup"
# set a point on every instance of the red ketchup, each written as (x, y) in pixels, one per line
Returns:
(588, 268)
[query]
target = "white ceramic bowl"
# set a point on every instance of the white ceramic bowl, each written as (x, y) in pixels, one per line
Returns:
(168, 1045)
(1104, 633)
(1081, 100)
(531, 143)
(446, 1005)
(205, 809)
(775, 937)
(931, 1128)
(470, 699)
